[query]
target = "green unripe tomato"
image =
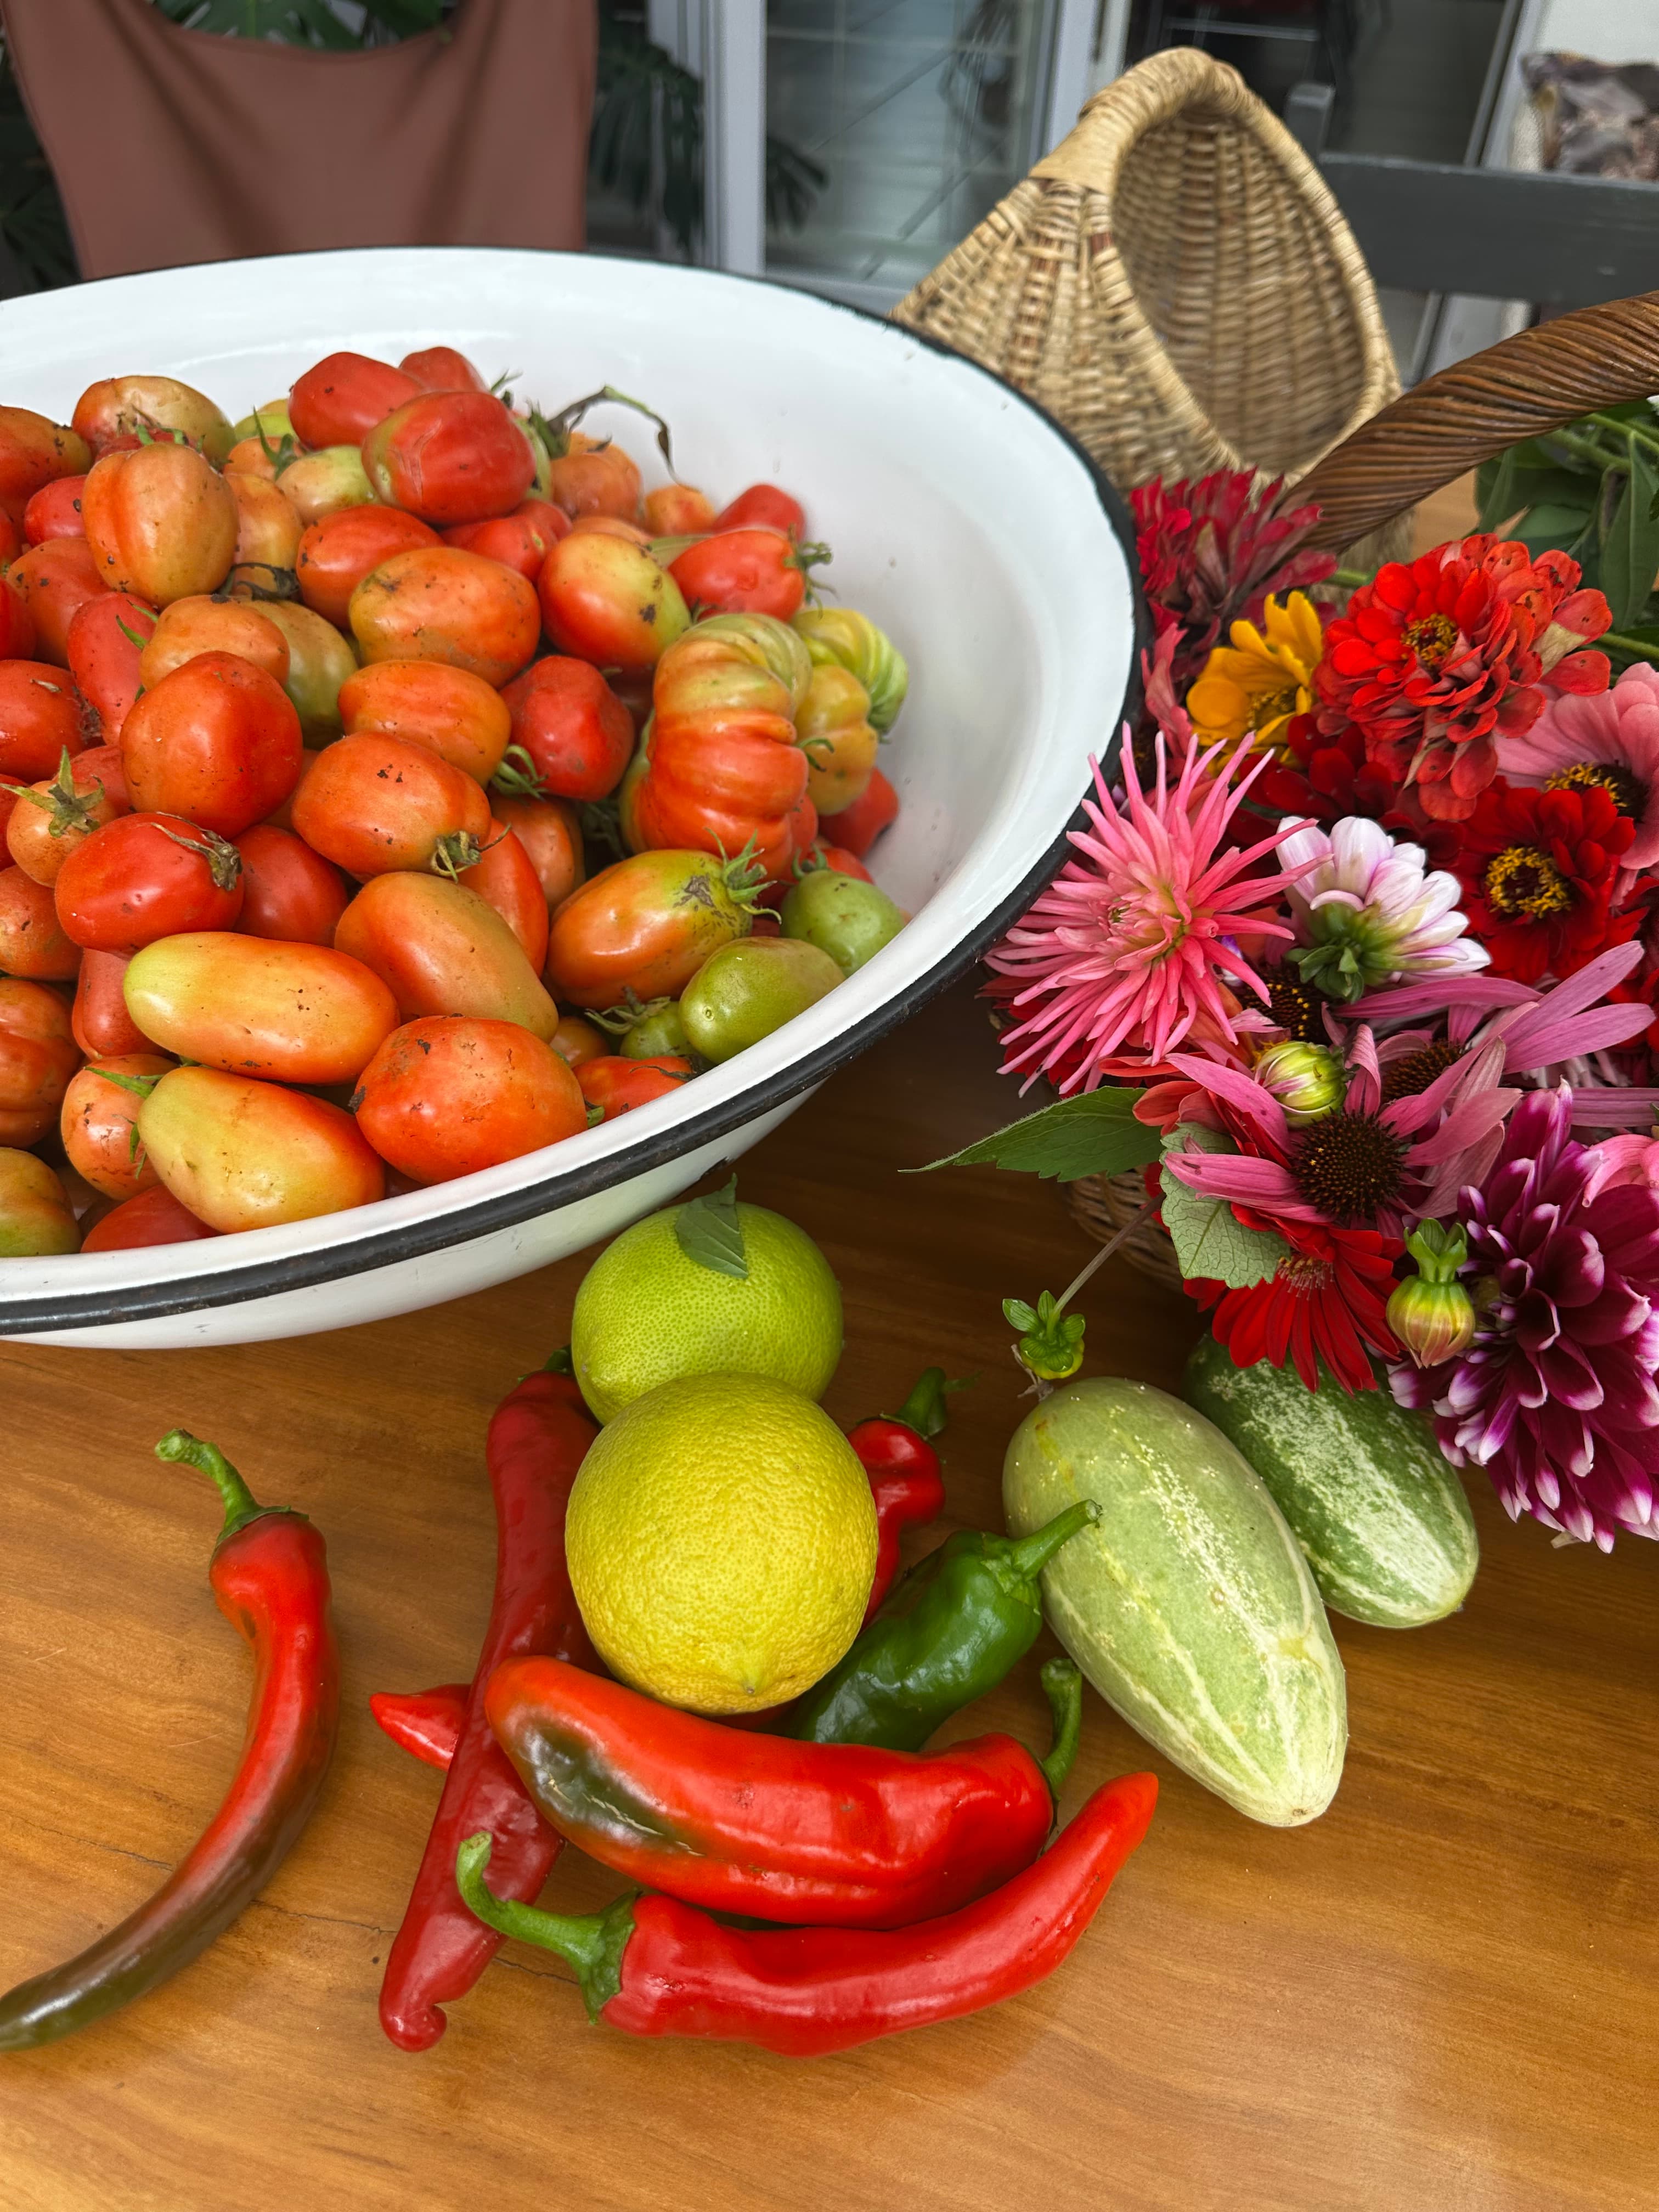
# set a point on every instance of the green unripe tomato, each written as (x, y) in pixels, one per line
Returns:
(663, 1030)
(843, 915)
(746, 990)
(36, 1218)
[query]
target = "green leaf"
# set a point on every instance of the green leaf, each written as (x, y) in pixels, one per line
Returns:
(1208, 1238)
(1095, 1135)
(708, 1232)
(1495, 488)
(1630, 550)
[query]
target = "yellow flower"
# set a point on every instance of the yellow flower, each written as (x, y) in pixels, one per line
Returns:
(1259, 683)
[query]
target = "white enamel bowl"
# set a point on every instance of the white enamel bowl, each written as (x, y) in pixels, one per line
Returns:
(961, 519)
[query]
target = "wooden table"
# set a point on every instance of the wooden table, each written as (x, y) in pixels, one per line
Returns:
(1441, 1995)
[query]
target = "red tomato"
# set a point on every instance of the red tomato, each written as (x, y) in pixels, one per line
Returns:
(155, 1216)
(857, 827)
(844, 862)
(765, 505)
(40, 718)
(46, 827)
(577, 1041)
(98, 1123)
(243, 1154)
(594, 476)
(145, 876)
(161, 522)
(218, 740)
(200, 624)
(608, 602)
(505, 876)
(18, 641)
(100, 1021)
(578, 735)
(338, 551)
(55, 512)
(450, 457)
(757, 571)
(36, 452)
(440, 603)
(440, 368)
(54, 581)
(9, 787)
(339, 401)
(107, 635)
(38, 1056)
(103, 765)
(372, 803)
(678, 510)
(445, 1096)
(440, 948)
(522, 539)
(33, 942)
(616, 1085)
(463, 718)
(551, 833)
(289, 892)
(297, 1013)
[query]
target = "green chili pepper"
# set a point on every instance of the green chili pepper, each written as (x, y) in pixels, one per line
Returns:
(951, 1628)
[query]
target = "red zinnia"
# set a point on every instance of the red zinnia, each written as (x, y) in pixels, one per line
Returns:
(1324, 774)
(1327, 1300)
(1433, 660)
(1539, 869)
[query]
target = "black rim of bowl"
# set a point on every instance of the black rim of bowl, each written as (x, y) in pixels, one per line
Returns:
(386, 1247)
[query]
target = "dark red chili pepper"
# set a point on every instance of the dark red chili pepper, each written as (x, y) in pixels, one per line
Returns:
(896, 1453)
(270, 1577)
(651, 1965)
(841, 1833)
(535, 1442)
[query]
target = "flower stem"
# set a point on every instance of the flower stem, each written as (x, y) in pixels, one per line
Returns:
(1634, 646)
(1351, 579)
(1103, 1256)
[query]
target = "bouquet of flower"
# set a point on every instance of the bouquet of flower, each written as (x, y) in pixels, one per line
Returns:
(1357, 961)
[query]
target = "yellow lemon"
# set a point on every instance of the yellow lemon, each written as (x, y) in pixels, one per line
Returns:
(648, 1310)
(721, 1540)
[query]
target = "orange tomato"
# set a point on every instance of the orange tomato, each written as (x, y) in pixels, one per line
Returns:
(372, 803)
(608, 602)
(505, 876)
(243, 1154)
(522, 539)
(268, 526)
(446, 1095)
(200, 624)
(253, 1006)
(678, 510)
(440, 603)
(161, 522)
(40, 719)
(54, 581)
(594, 476)
(98, 1123)
(339, 400)
(45, 826)
(338, 550)
(107, 635)
(55, 512)
(155, 1216)
(34, 451)
(609, 525)
(33, 944)
(833, 727)
(252, 457)
(577, 1041)
(550, 832)
(121, 406)
(35, 1215)
(440, 948)
(37, 1057)
(464, 719)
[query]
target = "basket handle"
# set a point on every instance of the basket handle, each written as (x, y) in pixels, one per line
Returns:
(1521, 388)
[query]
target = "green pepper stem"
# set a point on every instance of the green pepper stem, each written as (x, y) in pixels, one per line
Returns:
(1030, 1555)
(590, 1944)
(925, 1410)
(242, 1506)
(559, 1362)
(1062, 1685)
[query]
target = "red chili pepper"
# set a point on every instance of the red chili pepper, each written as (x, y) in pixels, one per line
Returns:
(535, 1442)
(270, 1577)
(651, 1965)
(426, 1723)
(738, 1822)
(896, 1453)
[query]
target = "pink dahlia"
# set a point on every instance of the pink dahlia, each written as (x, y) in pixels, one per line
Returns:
(1122, 959)
(1555, 1398)
(1605, 738)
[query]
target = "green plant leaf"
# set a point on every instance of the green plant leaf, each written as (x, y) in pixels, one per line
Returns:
(1630, 548)
(1094, 1134)
(709, 1231)
(1208, 1238)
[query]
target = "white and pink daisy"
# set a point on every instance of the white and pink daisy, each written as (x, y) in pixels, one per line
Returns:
(1369, 911)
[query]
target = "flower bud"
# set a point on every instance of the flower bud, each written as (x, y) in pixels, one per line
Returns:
(1307, 1080)
(1432, 1314)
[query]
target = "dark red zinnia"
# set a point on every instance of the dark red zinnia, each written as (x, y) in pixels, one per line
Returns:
(1540, 870)
(1325, 1301)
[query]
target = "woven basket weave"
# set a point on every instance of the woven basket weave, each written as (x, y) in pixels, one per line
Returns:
(1174, 283)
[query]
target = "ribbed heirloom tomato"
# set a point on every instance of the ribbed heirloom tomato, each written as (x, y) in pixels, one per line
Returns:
(577, 732)
(37, 1057)
(445, 1096)
(288, 892)
(99, 1122)
(337, 551)
(461, 718)
(297, 1013)
(372, 804)
(450, 457)
(142, 877)
(217, 740)
(440, 948)
(441, 603)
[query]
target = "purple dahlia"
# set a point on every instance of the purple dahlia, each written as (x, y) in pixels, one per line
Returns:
(1555, 1397)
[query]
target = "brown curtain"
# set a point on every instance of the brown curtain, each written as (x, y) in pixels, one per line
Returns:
(173, 146)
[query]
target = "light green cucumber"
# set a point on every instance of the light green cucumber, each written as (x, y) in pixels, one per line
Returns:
(1378, 1511)
(1188, 1605)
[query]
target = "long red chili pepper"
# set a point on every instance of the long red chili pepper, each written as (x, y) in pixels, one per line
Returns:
(535, 1442)
(651, 1965)
(270, 1577)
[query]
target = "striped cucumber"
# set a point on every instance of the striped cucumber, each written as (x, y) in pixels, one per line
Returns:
(1380, 1514)
(1188, 1605)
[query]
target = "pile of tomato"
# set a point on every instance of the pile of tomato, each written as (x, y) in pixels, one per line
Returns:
(309, 726)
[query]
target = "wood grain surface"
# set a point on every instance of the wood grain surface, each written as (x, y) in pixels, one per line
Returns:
(1440, 1997)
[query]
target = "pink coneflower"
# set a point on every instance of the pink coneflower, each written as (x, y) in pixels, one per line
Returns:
(1609, 738)
(1122, 958)
(1555, 1398)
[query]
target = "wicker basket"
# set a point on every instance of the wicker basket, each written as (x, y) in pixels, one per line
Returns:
(1174, 283)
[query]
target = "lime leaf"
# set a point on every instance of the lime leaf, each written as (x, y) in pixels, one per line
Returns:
(1095, 1135)
(708, 1232)
(1630, 550)
(1209, 1239)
